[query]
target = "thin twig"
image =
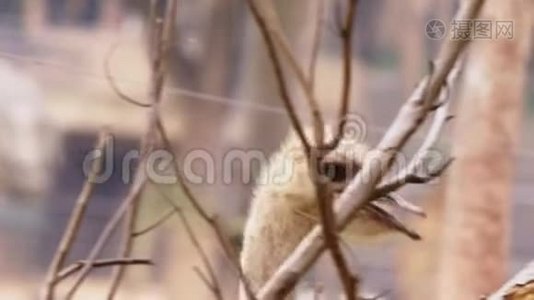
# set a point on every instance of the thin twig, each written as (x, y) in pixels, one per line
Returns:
(405, 205)
(316, 43)
(106, 234)
(212, 221)
(113, 84)
(266, 20)
(349, 281)
(206, 281)
(167, 215)
(359, 192)
(160, 49)
(390, 221)
(75, 220)
(346, 38)
(125, 247)
(149, 140)
(214, 283)
(407, 175)
(77, 266)
(279, 74)
(269, 23)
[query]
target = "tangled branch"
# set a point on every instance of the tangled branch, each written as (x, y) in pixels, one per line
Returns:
(360, 192)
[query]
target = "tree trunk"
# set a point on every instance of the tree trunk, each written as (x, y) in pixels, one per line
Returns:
(474, 255)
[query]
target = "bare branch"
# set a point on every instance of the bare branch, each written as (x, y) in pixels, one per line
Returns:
(349, 281)
(75, 267)
(125, 247)
(359, 192)
(316, 43)
(408, 174)
(209, 285)
(267, 21)
(162, 33)
(279, 74)
(75, 220)
(346, 37)
(271, 22)
(161, 47)
(212, 221)
(214, 283)
(167, 215)
(106, 233)
(391, 221)
(113, 84)
(518, 287)
(405, 205)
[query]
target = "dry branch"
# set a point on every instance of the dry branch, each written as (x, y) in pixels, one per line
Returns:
(111, 80)
(360, 190)
(163, 30)
(161, 34)
(349, 281)
(408, 174)
(75, 267)
(75, 220)
(268, 22)
(215, 290)
(316, 42)
(214, 285)
(160, 50)
(125, 247)
(212, 221)
(267, 34)
(521, 286)
(167, 215)
(107, 232)
(346, 38)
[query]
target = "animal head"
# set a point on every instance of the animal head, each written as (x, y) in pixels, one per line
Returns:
(290, 185)
(288, 172)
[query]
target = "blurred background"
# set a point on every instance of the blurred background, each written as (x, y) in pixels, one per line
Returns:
(55, 98)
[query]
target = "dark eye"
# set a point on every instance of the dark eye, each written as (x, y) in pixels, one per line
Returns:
(336, 172)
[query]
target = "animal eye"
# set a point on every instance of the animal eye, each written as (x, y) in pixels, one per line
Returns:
(336, 172)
